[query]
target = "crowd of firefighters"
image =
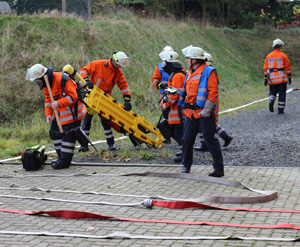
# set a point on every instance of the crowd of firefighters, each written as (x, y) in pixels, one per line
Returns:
(190, 112)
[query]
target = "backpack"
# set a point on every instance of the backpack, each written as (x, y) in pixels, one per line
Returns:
(33, 158)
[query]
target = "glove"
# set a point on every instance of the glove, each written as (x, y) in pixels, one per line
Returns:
(127, 103)
(89, 84)
(160, 85)
(207, 109)
(290, 80)
(266, 82)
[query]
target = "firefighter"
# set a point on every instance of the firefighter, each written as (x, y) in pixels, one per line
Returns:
(277, 72)
(160, 81)
(65, 102)
(171, 65)
(105, 74)
(200, 97)
(220, 131)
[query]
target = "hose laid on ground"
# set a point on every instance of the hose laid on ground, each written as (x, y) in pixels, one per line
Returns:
(267, 195)
(125, 235)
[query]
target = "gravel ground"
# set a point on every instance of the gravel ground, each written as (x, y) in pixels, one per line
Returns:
(261, 138)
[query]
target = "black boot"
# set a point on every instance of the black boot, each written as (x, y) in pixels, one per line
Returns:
(227, 141)
(178, 159)
(61, 164)
(201, 148)
(83, 149)
(217, 173)
(185, 170)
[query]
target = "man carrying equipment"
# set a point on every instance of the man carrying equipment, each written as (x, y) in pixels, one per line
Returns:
(171, 64)
(67, 110)
(105, 74)
(200, 95)
(278, 72)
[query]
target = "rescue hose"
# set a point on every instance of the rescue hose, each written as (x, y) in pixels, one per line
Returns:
(267, 195)
(125, 235)
(70, 214)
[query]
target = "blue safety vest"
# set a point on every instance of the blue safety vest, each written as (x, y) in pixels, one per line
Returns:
(202, 88)
(164, 77)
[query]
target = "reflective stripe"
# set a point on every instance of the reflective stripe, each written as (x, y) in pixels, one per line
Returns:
(59, 141)
(84, 73)
(98, 82)
(196, 77)
(155, 81)
(69, 99)
(124, 91)
(68, 144)
(47, 104)
(109, 136)
(65, 150)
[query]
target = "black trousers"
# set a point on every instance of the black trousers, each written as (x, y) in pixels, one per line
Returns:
(281, 90)
(208, 129)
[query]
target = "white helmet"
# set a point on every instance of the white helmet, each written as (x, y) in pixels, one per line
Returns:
(169, 56)
(120, 58)
(277, 42)
(35, 72)
(209, 58)
(193, 52)
(167, 48)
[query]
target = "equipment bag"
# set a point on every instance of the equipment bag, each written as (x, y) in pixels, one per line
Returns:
(164, 128)
(34, 158)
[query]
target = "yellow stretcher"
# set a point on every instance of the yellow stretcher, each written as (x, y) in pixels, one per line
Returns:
(123, 121)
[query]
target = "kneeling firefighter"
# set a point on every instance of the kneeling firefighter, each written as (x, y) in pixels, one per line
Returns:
(62, 100)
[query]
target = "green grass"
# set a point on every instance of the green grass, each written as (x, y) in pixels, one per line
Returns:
(56, 41)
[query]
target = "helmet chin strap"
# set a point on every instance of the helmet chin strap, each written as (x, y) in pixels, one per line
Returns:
(197, 61)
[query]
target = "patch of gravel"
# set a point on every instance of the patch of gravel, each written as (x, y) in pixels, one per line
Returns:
(261, 138)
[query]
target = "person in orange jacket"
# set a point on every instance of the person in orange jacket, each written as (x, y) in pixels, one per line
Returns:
(160, 82)
(171, 65)
(200, 97)
(105, 74)
(277, 72)
(219, 131)
(65, 102)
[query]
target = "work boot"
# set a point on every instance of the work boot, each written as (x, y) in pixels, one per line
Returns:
(280, 111)
(61, 164)
(178, 159)
(271, 106)
(112, 147)
(216, 173)
(227, 141)
(83, 149)
(179, 153)
(185, 170)
(201, 148)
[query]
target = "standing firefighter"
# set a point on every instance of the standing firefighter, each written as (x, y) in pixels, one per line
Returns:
(201, 95)
(105, 74)
(220, 131)
(160, 81)
(70, 111)
(171, 64)
(278, 72)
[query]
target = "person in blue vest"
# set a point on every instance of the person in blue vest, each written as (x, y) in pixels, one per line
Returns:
(200, 97)
(219, 131)
(160, 82)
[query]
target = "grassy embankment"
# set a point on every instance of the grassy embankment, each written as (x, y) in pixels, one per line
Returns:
(55, 41)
